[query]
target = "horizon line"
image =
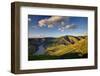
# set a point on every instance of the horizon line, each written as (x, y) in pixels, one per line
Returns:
(57, 37)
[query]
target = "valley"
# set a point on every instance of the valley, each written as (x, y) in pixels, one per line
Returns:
(64, 47)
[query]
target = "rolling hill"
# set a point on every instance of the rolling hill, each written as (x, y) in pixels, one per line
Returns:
(56, 48)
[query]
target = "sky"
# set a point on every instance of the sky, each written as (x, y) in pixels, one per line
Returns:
(40, 26)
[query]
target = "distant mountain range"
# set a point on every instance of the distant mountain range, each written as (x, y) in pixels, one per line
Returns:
(58, 46)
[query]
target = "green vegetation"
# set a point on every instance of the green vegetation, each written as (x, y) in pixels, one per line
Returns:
(66, 47)
(49, 57)
(79, 46)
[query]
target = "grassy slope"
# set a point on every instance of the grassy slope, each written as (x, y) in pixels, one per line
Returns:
(79, 47)
(60, 48)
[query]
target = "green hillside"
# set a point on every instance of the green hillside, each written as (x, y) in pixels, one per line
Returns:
(76, 46)
(65, 47)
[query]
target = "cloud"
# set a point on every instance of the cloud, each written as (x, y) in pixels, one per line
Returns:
(50, 26)
(29, 19)
(34, 27)
(85, 33)
(50, 21)
(67, 27)
(62, 29)
(71, 26)
(39, 36)
(62, 23)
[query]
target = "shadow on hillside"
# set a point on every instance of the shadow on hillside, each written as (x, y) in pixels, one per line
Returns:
(65, 56)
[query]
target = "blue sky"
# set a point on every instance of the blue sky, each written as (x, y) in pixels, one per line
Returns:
(56, 26)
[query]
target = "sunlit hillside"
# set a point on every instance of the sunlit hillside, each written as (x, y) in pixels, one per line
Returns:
(65, 47)
(73, 45)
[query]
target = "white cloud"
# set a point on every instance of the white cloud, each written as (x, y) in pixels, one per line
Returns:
(62, 30)
(67, 27)
(29, 19)
(34, 27)
(50, 26)
(50, 21)
(62, 23)
(39, 36)
(70, 26)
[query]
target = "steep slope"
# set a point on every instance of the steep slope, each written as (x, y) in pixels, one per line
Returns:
(70, 45)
